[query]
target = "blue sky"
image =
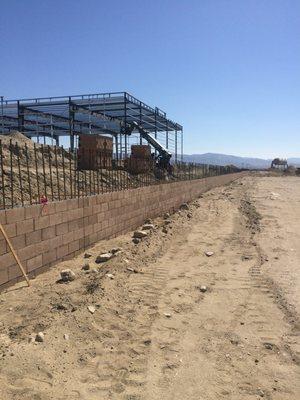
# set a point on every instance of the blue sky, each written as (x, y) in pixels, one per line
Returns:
(228, 70)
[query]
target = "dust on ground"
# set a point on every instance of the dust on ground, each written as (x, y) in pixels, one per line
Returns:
(169, 320)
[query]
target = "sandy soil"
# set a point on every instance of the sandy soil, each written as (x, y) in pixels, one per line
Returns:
(154, 334)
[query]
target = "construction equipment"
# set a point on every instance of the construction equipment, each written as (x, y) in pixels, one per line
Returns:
(164, 156)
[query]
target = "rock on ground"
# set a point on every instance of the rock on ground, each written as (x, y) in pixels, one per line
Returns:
(140, 234)
(103, 257)
(67, 275)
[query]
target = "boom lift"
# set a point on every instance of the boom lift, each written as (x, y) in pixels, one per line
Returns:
(164, 155)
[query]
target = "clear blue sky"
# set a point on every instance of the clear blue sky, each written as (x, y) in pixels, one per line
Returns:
(228, 70)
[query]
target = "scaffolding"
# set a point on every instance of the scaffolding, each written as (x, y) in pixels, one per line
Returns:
(101, 113)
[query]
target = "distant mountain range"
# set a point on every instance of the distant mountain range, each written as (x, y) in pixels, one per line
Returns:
(241, 162)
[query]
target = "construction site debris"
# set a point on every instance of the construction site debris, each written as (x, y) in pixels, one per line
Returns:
(140, 234)
(132, 270)
(116, 250)
(103, 257)
(91, 309)
(184, 206)
(40, 337)
(203, 288)
(148, 227)
(67, 275)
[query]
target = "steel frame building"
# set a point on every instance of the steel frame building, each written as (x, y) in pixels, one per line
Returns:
(101, 113)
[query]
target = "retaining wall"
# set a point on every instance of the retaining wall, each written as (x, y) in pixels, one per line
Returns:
(43, 236)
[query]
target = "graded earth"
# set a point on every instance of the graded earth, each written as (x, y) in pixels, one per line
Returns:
(206, 306)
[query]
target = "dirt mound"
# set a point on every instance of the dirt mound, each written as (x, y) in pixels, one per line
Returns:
(32, 170)
(18, 137)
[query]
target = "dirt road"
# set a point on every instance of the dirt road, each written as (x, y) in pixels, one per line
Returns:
(156, 333)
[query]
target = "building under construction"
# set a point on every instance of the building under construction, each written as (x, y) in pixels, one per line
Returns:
(64, 119)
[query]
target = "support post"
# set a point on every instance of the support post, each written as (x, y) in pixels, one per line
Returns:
(125, 120)
(20, 117)
(155, 134)
(167, 135)
(141, 139)
(71, 125)
(176, 146)
(2, 114)
(181, 145)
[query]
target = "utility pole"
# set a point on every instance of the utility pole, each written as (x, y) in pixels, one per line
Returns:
(2, 114)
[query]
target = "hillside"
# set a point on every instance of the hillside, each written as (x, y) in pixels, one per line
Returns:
(241, 162)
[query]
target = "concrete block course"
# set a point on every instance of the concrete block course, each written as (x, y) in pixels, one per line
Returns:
(46, 235)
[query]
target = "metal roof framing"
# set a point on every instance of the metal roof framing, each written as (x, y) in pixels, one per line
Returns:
(105, 113)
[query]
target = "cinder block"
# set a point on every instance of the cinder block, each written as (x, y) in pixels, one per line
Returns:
(15, 215)
(2, 217)
(80, 202)
(93, 238)
(73, 246)
(61, 206)
(68, 257)
(11, 230)
(93, 200)
(3, 276)
(91, 220)
(18, 242)
(101, 217)
(72, 204)
(88, 230)
(54, 242)
(87, 211)
(34, 263)
(43, 247)
(27, 252)
(33, 211)
(3, 247)
(24, 226)
(49, 257)
(62, 251)
(56, 218)
(6, 260)
(62, 228)
(73, 225)
(78, 233)
(69, 215)
(81, 243)
(104, 207)
(33, 237)
(97, 227)
(42, 222)
(67, 238)
(86, 202)
(48, 233)
(14, 272)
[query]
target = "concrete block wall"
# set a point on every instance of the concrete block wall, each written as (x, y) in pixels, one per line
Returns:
(44, 236)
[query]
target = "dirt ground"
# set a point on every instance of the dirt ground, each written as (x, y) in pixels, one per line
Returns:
(154, 334)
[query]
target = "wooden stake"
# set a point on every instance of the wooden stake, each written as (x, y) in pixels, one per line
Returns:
(14, 254)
